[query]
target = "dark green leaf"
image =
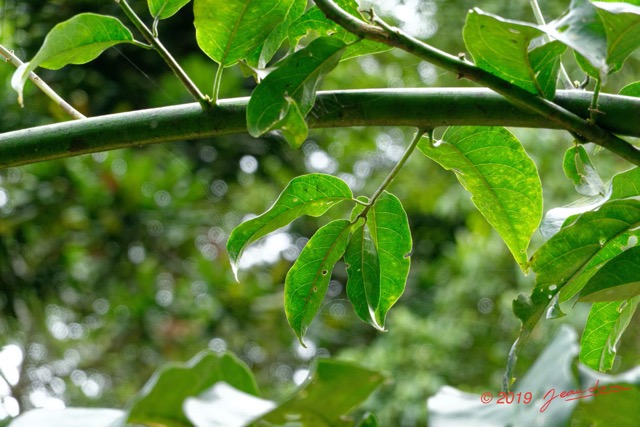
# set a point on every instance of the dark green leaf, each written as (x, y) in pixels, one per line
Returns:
(265, 52)
(308, 279)
(163, 9)
(501, 47)
(69, 417)
(363, 271)
(581, 29)
(606, 323)
(545, 62)
(391, 236)
(369, 420)
(76, 41)
(230, 30)
(311, 194)
(622, 25)
(333, 389)
(315, 22)
(297, 78)
(575, 253)
(579, 169)
(292, 125)
(503, 181)
(618, 279)
(161, 399)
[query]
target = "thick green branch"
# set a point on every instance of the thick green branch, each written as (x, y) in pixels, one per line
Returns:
(421, 108)
(526, 100)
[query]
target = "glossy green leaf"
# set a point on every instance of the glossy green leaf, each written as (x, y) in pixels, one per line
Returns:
(617, 280)
(297, 78)
(292, 125)
(622, 25)
(503, 181)
(163, 9)
(308, 279)
(581, 29)
(632, 89)
(321, 401)
(501, 47)
(579, 169)
(315, 22)
(69, 417)
(626, 184)
(363, 272)
(230, 30)
(391, 236)
(75, 41)
(161, 400)
(567, 260)
(606, 323)
(267, 50)
(311, 194)
(545, 62)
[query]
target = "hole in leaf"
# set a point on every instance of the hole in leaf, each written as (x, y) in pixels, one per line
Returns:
(325, 272)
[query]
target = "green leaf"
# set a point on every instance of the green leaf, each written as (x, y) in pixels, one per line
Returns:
(626, 184)
(297, 78)
(545, 62)
(617, 280)
(391, 236)
(69, 417)
(622, 26)
(503, 181)
(501, 47)
(369, 420)
(567, 260)
(332, 390)
(161, 399)
(363, 272)
(581, 29)
(230, 30)
(311, 194)
(265, 52)
(308, 279)
(579, 169)
(163, 9)
(632, 89)
(315, 22)
(292, 125)
(606, 323)
(75, 41)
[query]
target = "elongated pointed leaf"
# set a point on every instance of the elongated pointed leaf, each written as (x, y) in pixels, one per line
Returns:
(622, 26)
(161, 399)
(575, 253)
(501, 47)
(363, 271)
(311, 194)
(321, 401)
(293, 126)
(163, 9)
(76, 41)
(617, 280)
(297, 78)
(581, 29)
(579, 169)
(503, 181)
(545, 62)
(391, 236)
(606, 323)
(308, 279)
(230, 30)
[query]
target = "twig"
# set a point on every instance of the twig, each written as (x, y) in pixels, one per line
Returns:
(15, 61)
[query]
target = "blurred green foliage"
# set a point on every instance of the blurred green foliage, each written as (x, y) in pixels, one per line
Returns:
(114, 263)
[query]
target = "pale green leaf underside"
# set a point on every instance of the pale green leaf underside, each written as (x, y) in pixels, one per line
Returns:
(579, 169)
(163, 9)
(311, 194)
(622, 26)
(391, 236)
(308, 279)
(503, 181)
(230, 30)
(75, 41)
(606, 323)
(297, 78)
